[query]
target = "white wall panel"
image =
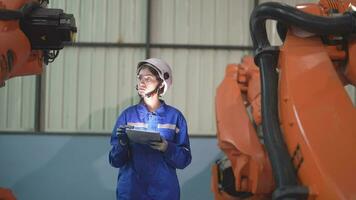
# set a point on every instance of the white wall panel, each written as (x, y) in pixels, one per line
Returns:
(17, 104)
(3, 107)
(223, 22)
(351, 91)
(198, 72)
(107, 20)
(83, 92)
(28, 102)
(196, 75)
(86, 88)
(70, 86)
(14, 104)
(96, 84)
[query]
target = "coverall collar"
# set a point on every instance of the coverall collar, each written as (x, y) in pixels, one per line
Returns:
(160, 110)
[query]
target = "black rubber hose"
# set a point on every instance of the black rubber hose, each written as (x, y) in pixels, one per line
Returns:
(29, 7)
(339, 25)
(282, 30)
(6, 14)
(282, 166)
(266, 58)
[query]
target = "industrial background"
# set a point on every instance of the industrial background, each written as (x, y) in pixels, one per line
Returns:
(55, 128)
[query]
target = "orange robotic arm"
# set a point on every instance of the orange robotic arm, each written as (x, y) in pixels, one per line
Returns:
(308, 119)
(6, 194)
(237, 136)
(298, 95)
(30, 35)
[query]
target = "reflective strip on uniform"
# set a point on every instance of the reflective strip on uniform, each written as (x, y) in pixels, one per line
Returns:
(169, 126)
(137, 124)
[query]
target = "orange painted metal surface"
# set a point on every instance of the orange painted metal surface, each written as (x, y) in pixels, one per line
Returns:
(6, 194)
(250, 84)
(236, 134)
(15, 43)
(317, 117)
(340, 5)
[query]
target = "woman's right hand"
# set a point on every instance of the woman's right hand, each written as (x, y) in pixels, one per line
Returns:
(141, 89)
(160, 146)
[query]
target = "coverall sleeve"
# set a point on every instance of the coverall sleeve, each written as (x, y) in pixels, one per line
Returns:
(178, 154)
(119, 154)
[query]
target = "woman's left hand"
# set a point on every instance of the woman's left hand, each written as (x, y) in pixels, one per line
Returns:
(160, 146)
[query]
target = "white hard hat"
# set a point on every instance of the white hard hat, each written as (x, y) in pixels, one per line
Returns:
(163, 69)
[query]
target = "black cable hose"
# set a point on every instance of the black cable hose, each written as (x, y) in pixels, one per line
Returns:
(266, 58)
(6, 14)
(339, 25)
(29, 7)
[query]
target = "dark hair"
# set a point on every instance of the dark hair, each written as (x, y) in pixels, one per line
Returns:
(155, 73)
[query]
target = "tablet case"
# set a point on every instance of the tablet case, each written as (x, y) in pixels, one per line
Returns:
(143, 136)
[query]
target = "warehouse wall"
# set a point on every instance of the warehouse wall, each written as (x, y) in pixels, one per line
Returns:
(107, 75)
(85, 88)
(17, 104)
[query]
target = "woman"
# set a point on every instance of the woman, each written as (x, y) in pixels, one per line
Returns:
(149, 171)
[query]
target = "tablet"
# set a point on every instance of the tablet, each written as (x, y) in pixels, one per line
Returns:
(143, 136)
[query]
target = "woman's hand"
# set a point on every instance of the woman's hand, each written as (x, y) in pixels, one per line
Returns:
(141, 89)
(160, 146)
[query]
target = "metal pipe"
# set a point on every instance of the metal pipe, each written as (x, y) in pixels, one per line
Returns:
(163, 46)
(38, 96)
(148, 29)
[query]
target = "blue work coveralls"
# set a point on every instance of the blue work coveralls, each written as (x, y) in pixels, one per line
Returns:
(146, 173)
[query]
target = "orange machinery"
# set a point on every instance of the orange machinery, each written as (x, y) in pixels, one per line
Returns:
(6, 194)
(30, 35)
(297, 95)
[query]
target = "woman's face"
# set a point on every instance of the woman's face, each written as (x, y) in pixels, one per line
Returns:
(146, 82)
